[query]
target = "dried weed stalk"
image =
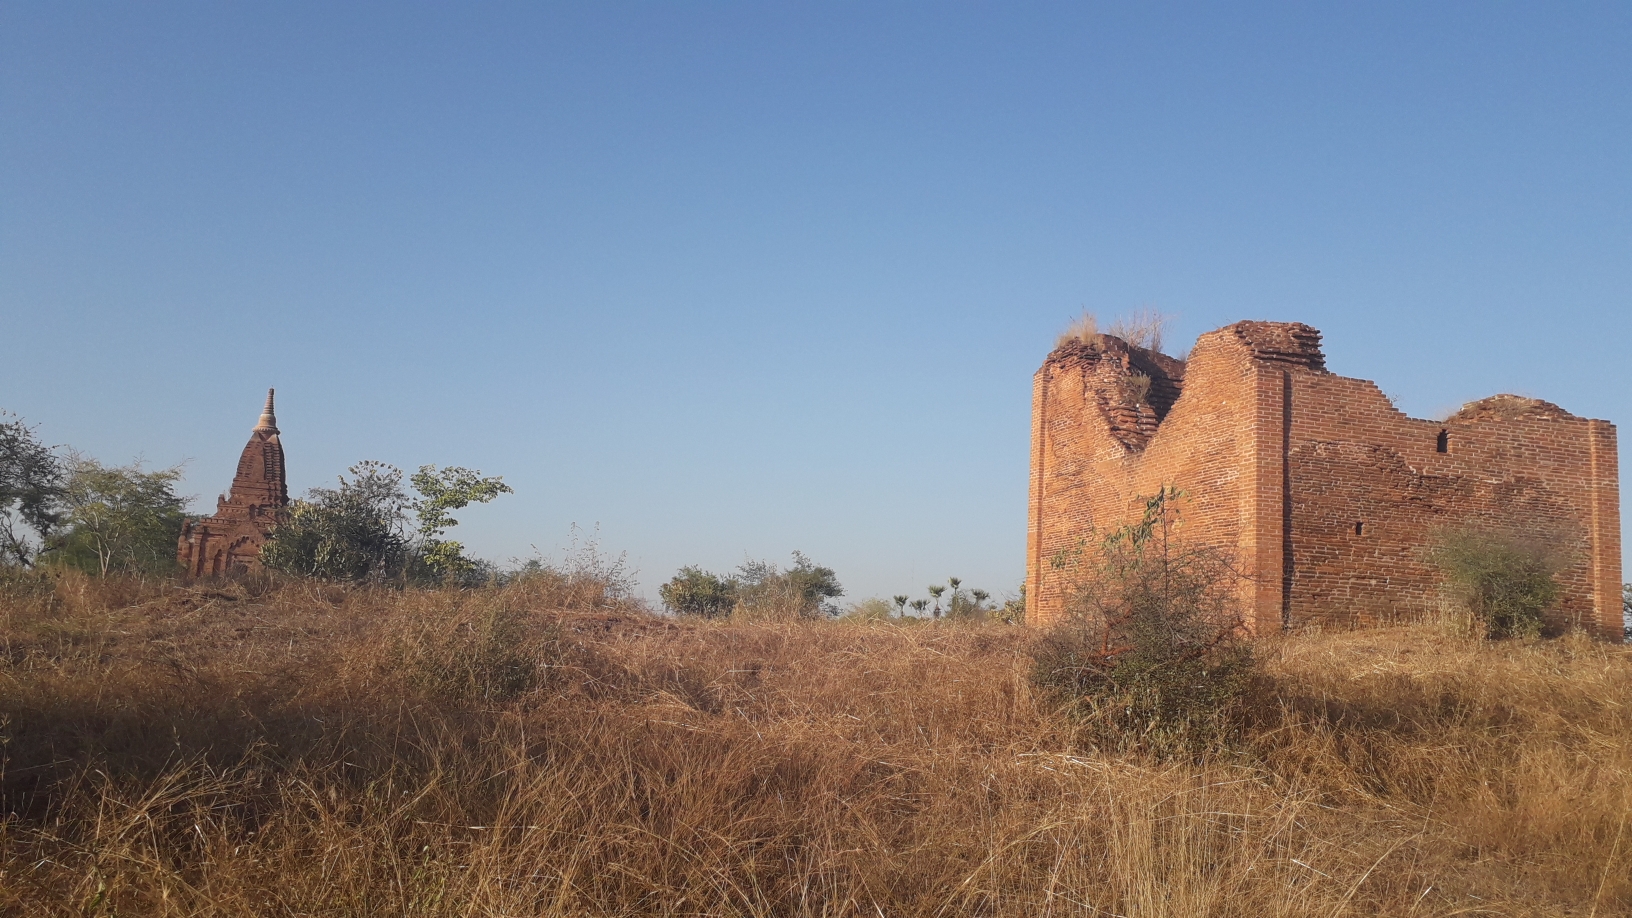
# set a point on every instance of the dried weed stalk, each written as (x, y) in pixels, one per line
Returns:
(288, 748)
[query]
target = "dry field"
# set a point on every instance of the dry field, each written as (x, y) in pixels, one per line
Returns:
(254, 749)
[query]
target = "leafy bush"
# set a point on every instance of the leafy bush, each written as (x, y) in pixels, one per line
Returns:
(441, 492)
(1626, 612)
(872, 609)
(758, 590)
(31, 490)
(357, 531)
(1503, 582)
(1151, 657)
(804, 590)
(1013, 611)
(360, 530)
(966, 605)
(694, 591)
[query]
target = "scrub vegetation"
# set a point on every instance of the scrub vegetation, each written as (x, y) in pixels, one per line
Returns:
(382, 725)
(1153, 656)
(546, 746)
(1504, 584)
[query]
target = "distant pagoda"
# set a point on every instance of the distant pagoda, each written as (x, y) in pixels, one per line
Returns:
(231, 540)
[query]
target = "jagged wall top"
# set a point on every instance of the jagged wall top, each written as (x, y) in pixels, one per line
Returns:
(1133, 387)
(1327, 496)
(1281, 342)
(1510, 408)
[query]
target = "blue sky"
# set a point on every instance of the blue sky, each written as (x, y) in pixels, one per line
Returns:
(732, 280)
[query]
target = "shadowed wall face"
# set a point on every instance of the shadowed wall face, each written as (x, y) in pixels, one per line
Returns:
(1325, 496)
(231, 540)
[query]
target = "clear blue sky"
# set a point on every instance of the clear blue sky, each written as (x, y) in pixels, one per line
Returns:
(738, 279)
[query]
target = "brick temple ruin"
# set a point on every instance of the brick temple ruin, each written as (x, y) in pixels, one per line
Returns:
(231, 540)
(1327, 498)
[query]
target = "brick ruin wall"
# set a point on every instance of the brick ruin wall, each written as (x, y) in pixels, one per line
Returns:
(1327, 498)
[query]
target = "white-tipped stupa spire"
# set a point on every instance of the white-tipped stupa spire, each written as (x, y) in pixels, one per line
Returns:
(269, 421)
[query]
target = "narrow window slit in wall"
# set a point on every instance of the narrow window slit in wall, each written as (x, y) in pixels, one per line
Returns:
(1444, 444)
(1359, 528)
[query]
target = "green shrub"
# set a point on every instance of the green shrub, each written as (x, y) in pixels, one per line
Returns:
(31, 492)
(1152, 656)
(1503, 582)
(694, 591)
(356, 531)
(759, 590)
(1013, 611)
(965, 605)
(805, 590)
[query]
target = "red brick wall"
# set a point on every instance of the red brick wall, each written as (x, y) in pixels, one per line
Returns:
(1281, 460)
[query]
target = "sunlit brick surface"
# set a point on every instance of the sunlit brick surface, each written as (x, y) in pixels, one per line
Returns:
(231, 540)
(1326, 496)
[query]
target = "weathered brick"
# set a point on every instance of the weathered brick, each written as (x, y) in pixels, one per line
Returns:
(231, 540)
(1326, 496)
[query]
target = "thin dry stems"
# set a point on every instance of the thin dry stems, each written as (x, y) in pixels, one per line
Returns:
(1083, 328)
(1142, 328)
(225, 751)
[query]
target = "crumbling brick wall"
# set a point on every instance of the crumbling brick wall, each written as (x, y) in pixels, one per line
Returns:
(1325, 496)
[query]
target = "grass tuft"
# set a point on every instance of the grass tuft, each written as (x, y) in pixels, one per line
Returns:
(534, 749)
(1083, 328)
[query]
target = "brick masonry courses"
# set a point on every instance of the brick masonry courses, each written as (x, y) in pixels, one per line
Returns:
(1327, 498)
(231, 540)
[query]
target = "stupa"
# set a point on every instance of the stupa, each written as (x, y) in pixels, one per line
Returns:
(231, 540)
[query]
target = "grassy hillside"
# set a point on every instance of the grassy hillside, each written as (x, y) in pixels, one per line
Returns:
(539, 750)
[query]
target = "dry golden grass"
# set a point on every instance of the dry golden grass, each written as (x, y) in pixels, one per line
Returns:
(534, 750)
(1082, 328)
(1141, 328)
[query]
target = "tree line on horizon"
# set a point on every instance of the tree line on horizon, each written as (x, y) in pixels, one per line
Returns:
(62, 508)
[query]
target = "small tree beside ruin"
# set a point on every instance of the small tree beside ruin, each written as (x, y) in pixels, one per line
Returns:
(1502, 582)
(442, 491)
(118, 518)
(361, 529)
(1152, 656)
